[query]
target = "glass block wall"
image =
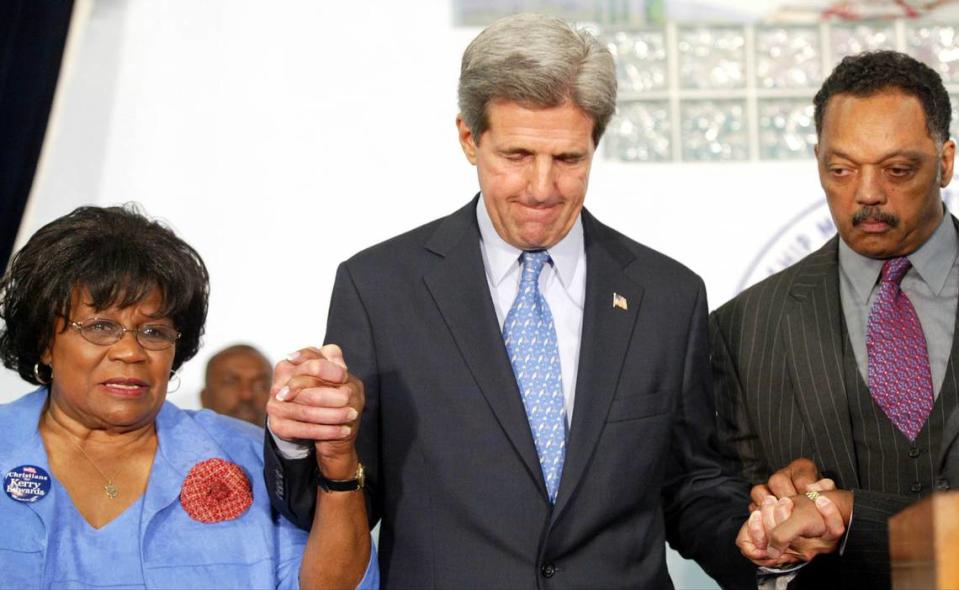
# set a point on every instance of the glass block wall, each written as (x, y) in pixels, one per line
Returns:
(696, 93)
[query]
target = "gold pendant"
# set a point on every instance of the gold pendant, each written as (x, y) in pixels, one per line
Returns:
(111, 490)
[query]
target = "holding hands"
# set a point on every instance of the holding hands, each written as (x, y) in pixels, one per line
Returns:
(315, 398)
(795, 516)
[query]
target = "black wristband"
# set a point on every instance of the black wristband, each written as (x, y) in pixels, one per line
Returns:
(347, 485)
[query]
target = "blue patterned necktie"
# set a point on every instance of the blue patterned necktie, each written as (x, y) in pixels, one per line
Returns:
(531, 343)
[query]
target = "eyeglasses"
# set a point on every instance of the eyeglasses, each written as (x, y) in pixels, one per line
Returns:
(106, 332)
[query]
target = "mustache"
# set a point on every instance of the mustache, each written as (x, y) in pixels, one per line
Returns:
(874, 214)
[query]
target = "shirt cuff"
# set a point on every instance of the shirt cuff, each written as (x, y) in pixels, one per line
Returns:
(776, 579)
(780, 571)
(289, 450)
(845, 535)
(371, 578)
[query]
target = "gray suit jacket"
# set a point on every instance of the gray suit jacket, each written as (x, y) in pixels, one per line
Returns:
(777, 358)
(453, 474)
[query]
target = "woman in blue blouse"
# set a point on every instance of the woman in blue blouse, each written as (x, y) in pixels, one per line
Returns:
(105, 483)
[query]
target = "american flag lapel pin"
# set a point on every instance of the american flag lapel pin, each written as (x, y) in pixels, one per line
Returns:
(620, 302)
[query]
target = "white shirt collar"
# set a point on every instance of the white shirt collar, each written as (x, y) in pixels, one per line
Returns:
(502, 257)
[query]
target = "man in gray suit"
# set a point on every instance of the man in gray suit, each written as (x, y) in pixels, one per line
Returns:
(538, 403)
(849, 357)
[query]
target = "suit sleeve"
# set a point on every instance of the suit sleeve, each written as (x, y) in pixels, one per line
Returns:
(864, 560)
(350, 327)
(738, 439)
(866, 549)
(291, 483)
(705, 504)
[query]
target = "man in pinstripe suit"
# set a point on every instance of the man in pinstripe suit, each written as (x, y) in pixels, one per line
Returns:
(790, 359)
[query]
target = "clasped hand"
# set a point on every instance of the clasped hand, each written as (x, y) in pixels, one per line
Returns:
(785, 526)
(315, 398)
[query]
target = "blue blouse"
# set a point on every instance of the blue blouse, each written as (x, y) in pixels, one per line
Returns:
(154, 543)
(76, 554)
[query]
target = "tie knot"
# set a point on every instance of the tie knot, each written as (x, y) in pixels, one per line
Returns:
(894, 269)
(533, 263)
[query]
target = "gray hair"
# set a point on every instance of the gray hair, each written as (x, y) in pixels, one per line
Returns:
(536, 60)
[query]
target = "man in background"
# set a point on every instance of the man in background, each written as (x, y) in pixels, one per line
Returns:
(849, 358)
(238, 383)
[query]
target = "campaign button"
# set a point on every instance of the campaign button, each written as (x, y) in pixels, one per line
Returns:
(27, 483)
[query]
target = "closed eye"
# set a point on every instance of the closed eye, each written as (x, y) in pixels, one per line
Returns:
(516, 155)
(101, 326)
(839, 171)
(899, 171)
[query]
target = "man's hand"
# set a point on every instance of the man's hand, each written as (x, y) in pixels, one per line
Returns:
(315, 398)
(798, 477)
(812, 528)
(785, 531)
(778, 534)
(752, 539)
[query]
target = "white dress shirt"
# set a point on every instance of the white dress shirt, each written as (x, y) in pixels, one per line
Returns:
(562, 283)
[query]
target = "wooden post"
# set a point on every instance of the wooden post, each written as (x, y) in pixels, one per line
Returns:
(924, 544)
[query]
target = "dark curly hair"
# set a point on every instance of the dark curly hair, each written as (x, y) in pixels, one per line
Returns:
(869, 73)
(119, 256)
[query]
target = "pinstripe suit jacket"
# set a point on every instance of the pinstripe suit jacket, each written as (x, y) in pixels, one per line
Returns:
(949, 457)
(777, 358)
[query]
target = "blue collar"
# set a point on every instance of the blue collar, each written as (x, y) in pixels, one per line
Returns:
(182, 443)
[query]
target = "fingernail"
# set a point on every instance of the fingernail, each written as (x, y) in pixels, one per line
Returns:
(769, 500)
(822, 501)
(293, 356)
(784, 501)
(756, 515)
(281, 394)
(352, 414)
(346, 430)
(772, 552)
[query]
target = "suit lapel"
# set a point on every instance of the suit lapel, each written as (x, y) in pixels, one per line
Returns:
(813, 342)
(605, 338)
(950, 439)
(459, 288)
(950, 433)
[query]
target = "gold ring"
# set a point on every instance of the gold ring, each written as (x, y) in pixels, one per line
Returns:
(812, 495)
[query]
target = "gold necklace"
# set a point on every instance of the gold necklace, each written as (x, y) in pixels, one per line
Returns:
(111, 490)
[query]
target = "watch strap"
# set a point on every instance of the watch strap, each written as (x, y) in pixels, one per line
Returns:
(345, 485)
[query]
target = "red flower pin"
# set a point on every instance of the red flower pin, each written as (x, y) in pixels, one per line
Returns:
(216, 490)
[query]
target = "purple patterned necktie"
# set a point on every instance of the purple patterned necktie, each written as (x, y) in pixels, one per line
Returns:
(899, 376)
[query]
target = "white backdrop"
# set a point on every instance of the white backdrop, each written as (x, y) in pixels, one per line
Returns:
(279, 139)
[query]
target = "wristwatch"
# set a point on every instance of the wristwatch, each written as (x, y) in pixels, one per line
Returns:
(342, 485)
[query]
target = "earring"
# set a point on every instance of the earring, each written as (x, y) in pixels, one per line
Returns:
(36, 375)
(174, 376)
